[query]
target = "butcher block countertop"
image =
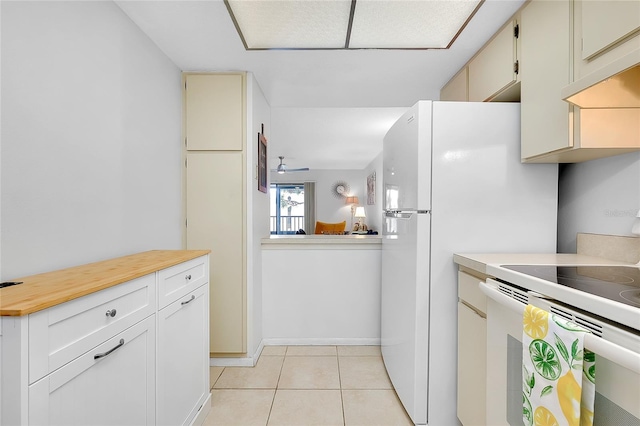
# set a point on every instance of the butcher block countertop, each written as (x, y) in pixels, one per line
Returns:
(45, 290)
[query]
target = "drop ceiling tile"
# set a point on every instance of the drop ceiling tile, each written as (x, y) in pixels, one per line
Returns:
(292, 24)
(409, 24)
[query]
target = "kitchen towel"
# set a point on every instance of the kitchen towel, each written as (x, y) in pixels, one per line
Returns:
(558, 376)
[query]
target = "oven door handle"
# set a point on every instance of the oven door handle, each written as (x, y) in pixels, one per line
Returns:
(614, 353)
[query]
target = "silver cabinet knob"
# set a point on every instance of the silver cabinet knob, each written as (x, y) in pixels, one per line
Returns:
(111, 313)
(188, 277)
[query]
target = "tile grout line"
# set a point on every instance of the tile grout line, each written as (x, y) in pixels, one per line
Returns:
(344, 419)
(275, 391)
(211, 385)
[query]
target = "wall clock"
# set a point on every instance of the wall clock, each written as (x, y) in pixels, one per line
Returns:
(340, 189)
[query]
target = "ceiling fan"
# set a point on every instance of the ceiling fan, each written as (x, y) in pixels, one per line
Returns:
(282, 168)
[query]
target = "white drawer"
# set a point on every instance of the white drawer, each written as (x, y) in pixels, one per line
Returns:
(179, 280)
(469, 291)
(60, 334)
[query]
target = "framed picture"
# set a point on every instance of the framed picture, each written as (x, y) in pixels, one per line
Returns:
(371, 189)
(262, 162)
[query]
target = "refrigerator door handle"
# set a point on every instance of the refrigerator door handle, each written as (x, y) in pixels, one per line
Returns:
(404, 214)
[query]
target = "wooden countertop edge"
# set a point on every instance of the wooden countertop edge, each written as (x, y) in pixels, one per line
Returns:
(49, 289)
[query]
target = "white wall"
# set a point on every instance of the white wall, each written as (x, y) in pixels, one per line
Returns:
(325, 294)
(90, 137)
(374, 211)
(258, 113)
(0, 147)
(599, 196)
(329, 208)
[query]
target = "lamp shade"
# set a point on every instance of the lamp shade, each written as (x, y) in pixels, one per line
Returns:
(360, 212)
(352, 200)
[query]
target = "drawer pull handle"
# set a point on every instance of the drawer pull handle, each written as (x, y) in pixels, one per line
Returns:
(188, 277)
(190, 300)
(111, 313)
(102, 355)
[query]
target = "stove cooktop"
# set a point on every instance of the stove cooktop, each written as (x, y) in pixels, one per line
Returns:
(618, 283)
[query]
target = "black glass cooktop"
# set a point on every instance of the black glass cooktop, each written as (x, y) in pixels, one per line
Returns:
(618, 283)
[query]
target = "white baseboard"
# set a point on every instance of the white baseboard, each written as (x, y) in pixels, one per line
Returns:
(338, 341)
(232, 362)
(252, 360)
(249, 361)
(258, 351)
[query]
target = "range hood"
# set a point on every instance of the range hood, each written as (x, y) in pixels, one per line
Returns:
(616, 85)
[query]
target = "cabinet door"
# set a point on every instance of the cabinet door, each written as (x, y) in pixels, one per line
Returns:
(545, 56)
(214, 111)
(472, 366)
(604, 23)
(183, 358)
(0, 370)
(117, 388)
(457, 88)
(492, 70)
(215, 217)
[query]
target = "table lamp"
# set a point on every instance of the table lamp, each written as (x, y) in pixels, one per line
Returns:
(360, 215)
(353, 201)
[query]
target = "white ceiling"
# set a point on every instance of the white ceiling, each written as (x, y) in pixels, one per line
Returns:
(200, 36)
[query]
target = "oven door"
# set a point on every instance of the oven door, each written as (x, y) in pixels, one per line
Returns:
(617, 387)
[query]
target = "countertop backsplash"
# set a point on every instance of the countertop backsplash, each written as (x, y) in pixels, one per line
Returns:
(612, 247)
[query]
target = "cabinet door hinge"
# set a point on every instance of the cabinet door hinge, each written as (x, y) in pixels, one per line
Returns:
(185, 141)
(516, 30)
(185, 85)
(186, 223)
(516, 67)
(185, 162)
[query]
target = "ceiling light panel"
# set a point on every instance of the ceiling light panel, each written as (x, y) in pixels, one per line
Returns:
(409, 24)
(292, 24)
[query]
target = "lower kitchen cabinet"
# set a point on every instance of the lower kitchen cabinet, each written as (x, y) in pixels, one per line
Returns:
(472, 351)
(113, 384)
(0, 369)
(183, 373)
(111, 356)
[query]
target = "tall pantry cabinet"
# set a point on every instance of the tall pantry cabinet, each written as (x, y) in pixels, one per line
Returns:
(215, 197)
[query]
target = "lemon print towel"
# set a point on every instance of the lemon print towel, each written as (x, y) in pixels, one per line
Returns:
(558, 375)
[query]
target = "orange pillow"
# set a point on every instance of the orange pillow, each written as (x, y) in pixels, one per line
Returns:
(330, 228)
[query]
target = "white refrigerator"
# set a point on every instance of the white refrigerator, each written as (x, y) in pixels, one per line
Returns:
(453, 183)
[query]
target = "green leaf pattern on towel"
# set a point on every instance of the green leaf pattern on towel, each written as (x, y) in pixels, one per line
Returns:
(546, 358)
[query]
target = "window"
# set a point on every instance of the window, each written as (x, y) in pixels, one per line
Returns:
(287, 208)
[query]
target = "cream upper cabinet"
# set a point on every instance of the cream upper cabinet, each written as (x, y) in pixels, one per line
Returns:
(605, 23)
(495, 68)
(214, 112)
(545, 56)
(457, 88)
(551, 58)
(604, 31)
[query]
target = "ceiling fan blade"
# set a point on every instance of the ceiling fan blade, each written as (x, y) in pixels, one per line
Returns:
(282, 168)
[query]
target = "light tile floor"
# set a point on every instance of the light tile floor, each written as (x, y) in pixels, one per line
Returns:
(305, 386)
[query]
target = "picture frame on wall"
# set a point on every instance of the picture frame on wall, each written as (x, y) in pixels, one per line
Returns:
(262, 162)
(371, 189)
